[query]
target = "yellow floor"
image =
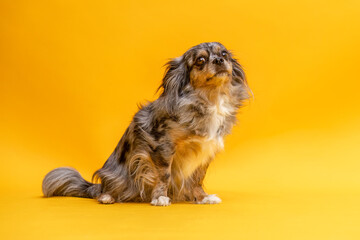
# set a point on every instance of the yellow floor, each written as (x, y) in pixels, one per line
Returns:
(242, 215)
(290, 186)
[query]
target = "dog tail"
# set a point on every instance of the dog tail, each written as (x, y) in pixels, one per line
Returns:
(66, 181)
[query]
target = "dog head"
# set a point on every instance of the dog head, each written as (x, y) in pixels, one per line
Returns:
(210, 65)
(207, 66)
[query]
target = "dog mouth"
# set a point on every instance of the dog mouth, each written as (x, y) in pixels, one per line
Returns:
(220, 74)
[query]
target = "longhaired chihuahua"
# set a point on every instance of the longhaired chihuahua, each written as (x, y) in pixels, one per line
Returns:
(164, 154)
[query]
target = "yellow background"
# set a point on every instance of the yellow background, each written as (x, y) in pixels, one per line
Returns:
(73, 72)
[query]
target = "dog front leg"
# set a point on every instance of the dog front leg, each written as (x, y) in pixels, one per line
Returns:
(200, 196)
(163, 163)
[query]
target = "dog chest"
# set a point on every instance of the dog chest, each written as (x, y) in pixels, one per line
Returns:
(193, 153)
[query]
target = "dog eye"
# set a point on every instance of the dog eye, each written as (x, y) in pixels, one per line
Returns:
(224, 53)
(200, 61)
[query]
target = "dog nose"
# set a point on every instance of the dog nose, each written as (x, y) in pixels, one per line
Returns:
(218, 61)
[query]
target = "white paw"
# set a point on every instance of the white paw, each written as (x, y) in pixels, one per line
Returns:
(161, 201)
(106, 199)
(210, 199)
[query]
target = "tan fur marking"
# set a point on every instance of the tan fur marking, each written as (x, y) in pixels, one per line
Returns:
(216, 48)
(193, 153)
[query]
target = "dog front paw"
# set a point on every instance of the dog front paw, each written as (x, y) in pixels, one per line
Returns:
(106, 199)
(210, 199)
(161, 201)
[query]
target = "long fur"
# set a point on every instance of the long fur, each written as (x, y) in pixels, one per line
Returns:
(68, 182)
(168, 146)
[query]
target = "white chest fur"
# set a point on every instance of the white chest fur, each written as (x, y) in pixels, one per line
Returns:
(218, 114)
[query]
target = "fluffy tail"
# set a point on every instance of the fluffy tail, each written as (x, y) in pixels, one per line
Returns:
(68, 182)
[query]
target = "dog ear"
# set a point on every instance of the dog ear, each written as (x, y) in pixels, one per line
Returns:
(238, 77)
(238, 73)
(175, 79)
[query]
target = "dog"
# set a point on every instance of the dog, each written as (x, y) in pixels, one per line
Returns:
(164, 154)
